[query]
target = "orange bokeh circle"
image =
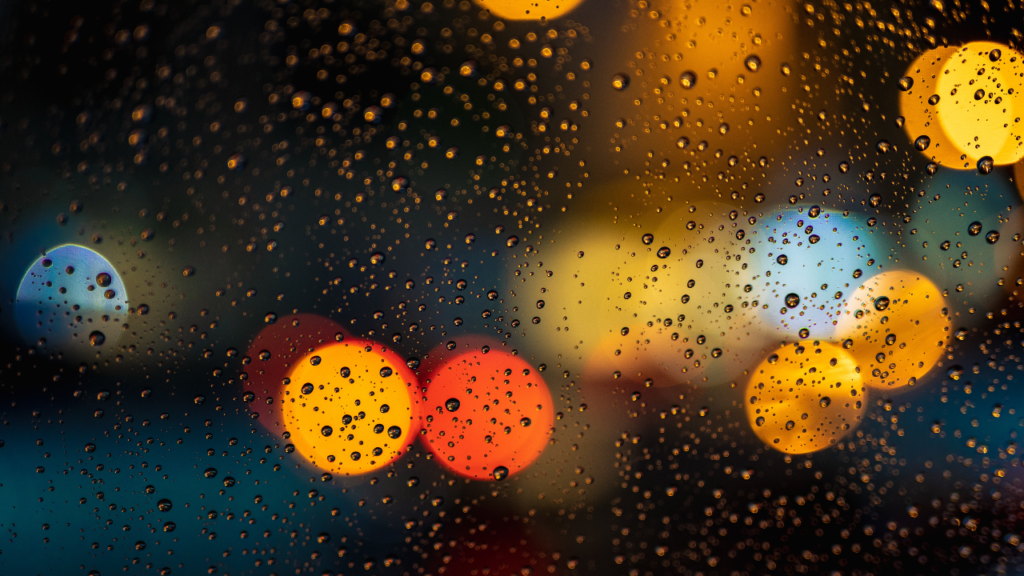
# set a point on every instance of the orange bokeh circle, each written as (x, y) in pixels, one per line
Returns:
(350, 407)
(272, 355)
(486, 416)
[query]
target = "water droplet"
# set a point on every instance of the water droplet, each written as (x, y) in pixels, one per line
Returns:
(792, 300)
(994, 55)
(647, 239)
(394, 432)
(164, 505)
(356, 456)
(620, 81)
(386, 371)
(664, 252)
(790, 425)
(974, 229)
(103, 279)
(307, 388)
(210, 473)
(906, 83)
(314, 361)
(326, 431)
(992, 237)
(933, 99)
(452, 404)
(881, 303)
(985, 165)
(824, 402)
(687, 79)
(524, 422)
(782, 259)
(500, 473)
(97, 338)
(922, 143)
(682, 142)
(753, 63)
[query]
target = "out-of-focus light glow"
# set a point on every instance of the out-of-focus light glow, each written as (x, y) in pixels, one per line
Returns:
(529, 9)
(349, 406)
(960, 103)
(896, 328)
(921, 120)
(980, 101)
(273, 353)
(486, 416)
(802, 260)
(72, 299)
(805, 397)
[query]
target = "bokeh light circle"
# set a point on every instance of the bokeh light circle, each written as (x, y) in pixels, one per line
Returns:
(73, 299)
(486, 416)
(921, 116)
(812, 257)
(802, 399)
(349, 407)
(896, 327)
(274, 352)
(981, 101)
(529, 9)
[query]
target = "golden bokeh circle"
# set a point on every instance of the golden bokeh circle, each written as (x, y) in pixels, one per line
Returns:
(921, 117)
(980, 101)
(348, 407)
(529, 9)
(896, 327)
(804, 398)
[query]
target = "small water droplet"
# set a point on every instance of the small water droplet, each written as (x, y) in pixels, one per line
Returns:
(500, 473)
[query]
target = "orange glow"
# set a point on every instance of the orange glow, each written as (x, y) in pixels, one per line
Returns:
(802, 399)
(486, 415)
(273, 353)
(896, 328)
(529, 9)
(349, 407)
(987, 125)
(961, 101)
(920, 116)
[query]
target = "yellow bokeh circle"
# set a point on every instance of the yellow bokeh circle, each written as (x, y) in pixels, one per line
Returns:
(963, 104)
(529, 9)
(980, 101)
(805, 398)
(896, 327)
(348, 407)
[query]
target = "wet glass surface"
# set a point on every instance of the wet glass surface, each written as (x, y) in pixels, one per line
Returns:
(495, 288)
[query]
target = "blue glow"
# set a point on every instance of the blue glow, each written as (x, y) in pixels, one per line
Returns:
(68, 295)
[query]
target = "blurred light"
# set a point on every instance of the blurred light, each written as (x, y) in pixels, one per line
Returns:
(802, 399)
(486, 416)
(528, 9)
(73, 300)
(980, 101)
(921, 117)
(965, 104)
(349, 406)
(274, 352)
(896, 327)
(812, 257)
